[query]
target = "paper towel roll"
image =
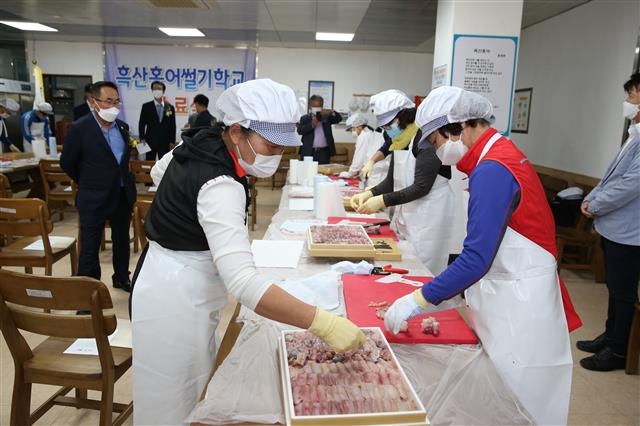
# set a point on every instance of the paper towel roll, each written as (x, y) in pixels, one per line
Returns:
(316, 180)
(312, 170)
(328, 201)
(301, 173)
(293, 171)
(307, 158)
(39, 147)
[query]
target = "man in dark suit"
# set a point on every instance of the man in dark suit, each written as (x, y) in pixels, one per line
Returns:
(157, 124)
(204, 117)
(95, 155)
(315, 128)
(83, 109)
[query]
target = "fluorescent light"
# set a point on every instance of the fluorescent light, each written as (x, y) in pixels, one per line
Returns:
(334, 36)
(181, 32)
(28, 26)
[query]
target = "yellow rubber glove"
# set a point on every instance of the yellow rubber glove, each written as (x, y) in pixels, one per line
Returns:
(366, 169)
(359, 199)
(372, 205)
(339, 333)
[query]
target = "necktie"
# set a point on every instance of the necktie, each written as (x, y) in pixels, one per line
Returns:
(159, 110)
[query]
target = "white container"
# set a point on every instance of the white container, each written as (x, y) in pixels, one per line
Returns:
(53, 147)
(39, 146)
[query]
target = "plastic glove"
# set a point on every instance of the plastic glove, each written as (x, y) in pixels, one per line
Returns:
(404, 308)
(359, 199)
(366, 169)
(372, 205)
(339, 333)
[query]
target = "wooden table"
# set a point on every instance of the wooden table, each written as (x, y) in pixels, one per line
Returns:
(24, 162)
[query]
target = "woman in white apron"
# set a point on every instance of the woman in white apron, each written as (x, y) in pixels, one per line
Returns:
(199, 250)
(418, 185)
(507, 266)
(35, 127)
(367, 143)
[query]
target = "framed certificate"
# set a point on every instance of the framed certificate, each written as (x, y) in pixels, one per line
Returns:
(521, 110)
(322, 88)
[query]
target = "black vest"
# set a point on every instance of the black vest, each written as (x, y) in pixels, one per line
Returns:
(172, 220)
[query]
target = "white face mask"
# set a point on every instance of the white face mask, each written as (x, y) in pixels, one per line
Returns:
(5, 115)
(630, 110)
(109, 114)
(451, 152)
(354, 133)
(315, 110)
(157, 94)
(263, 166)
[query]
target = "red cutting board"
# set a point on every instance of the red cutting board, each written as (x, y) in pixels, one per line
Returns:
(359, 290)
(385, 230)
(349, 181)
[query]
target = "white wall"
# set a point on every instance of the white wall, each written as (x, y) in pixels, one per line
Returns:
(352, 71)
(576, 64)
(67, 58)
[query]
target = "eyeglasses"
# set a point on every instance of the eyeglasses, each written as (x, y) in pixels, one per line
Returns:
(110, 102)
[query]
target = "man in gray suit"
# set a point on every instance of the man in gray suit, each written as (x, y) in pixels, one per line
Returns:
(614, 205)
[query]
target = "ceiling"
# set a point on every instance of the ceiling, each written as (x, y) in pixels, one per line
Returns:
(400, 25)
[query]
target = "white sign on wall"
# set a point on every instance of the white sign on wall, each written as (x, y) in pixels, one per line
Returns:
(185, 72)
(487, 65)
(439, 77)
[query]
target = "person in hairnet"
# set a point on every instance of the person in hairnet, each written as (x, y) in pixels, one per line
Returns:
(199, 251)
(508, 263)
(367, 143)
(8, 107)
(418, 185)
(395, 114)
(35, 125)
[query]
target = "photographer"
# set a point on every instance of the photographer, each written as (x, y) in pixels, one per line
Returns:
(315, 128)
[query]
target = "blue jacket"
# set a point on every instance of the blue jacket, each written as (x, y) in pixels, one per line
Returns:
(615, 201)
(27, 119)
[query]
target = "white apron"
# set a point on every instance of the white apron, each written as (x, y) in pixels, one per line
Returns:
(175, 312)
(425, 222)
(37, 132)
(379, 172)
(516, 310)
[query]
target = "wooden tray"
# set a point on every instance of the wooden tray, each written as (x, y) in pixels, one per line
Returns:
(332, 169)
(415, 417)
(348, 251)
(386, 248)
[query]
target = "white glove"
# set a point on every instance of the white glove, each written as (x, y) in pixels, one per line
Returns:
(404, 308)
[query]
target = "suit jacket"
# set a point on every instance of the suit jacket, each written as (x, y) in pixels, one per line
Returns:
(158, 134)
(615, 201)
(80, 111)
(88, 160)
(306, 129)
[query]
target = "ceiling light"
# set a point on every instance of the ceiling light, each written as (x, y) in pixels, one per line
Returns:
(28, 26)
(181, 32)
(334, 36)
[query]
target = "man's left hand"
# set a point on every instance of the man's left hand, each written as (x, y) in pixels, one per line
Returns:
(584, 208)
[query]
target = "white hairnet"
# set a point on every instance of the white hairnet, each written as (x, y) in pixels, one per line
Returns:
(356, 119)
(448, 104)
(387, 104)
(10, 104)
(45, 107)
(267, 107)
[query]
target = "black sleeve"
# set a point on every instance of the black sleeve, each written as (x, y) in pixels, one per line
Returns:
(172, 125)
(70, 157)
(335, 117)
(384, 149)
(426, 171)
(304, 126)
(142, 124)
(386, 186)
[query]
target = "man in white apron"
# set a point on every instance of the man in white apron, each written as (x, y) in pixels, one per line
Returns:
(507, 266)
(423, 198)
(35, 126)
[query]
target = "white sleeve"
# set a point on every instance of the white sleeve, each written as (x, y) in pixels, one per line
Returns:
(359, 154)
(221, 213)
(158, 169)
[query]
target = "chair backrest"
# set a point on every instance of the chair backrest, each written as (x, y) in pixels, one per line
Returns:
(27, 301)
(25, 217)
(53, 175)
(140, 209)
(5, 187)
(141, 170)
(341, 156)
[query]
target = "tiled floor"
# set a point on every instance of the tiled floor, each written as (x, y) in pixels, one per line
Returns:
(597, 398)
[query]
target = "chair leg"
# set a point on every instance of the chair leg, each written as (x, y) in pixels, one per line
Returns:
(633, 349)
(81, 393)
(21, 401)
(106, 405)
(28, 270)
(598, 263)
(74, 261)
(48, 269)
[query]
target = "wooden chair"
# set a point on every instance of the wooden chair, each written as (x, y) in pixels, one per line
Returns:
(25, 221)
(140, 209)
(584, 248)
(142, 172)
(253, 195)
(288, 154)
(633, 349)
(5, 187)
(26, 303)
(552, 185)
(59, 188)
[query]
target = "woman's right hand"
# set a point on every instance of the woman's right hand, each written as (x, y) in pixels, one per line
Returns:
(338, 332)
(359, 199)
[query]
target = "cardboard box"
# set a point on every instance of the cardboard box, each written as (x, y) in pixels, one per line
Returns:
(418, 416)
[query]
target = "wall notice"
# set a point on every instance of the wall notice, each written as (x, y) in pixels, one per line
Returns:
(439, 76)
(487, 65)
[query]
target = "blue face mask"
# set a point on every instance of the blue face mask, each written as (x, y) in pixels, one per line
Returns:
(394, 130)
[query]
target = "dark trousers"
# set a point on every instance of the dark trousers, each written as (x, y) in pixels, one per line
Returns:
(321, 155)
(160, 151)
(622, 272)
(91, 237)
